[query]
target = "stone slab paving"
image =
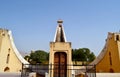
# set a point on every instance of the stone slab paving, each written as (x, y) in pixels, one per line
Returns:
(108, 74)
(10, 74)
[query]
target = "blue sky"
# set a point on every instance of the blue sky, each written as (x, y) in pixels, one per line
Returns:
(86, 22)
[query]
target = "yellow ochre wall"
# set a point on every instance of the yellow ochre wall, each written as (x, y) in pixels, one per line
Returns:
(113, 51)
(14, 64)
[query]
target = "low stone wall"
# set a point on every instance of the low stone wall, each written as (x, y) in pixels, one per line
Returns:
(107, 74)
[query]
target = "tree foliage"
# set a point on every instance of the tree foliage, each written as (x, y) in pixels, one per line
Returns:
(38, 56)
(82, 54)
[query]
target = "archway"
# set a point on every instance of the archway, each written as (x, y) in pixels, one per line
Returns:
(60, 64)
(7, 69)
(111, 70)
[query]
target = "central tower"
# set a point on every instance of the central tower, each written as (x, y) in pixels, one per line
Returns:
(60, 54)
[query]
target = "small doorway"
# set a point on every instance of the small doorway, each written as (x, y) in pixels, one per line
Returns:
(7, 69)
(111, 70)
(60, 64)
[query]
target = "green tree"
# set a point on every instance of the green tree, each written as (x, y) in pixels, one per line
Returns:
(38, 56)
(82, 54)
(91, 57)
(27, 57)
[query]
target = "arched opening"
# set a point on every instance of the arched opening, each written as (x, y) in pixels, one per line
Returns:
(8, 56)
(111, 70)
(110, 58)
(7, 69)
(117, 37)
(60, 64)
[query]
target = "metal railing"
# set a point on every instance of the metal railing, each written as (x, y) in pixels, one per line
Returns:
(45, 70)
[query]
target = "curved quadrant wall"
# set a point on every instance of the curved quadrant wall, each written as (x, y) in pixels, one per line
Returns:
(10, 58)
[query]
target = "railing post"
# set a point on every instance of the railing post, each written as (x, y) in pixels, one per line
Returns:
(22, 70)
(95, 70)
(50, 70)
(86, 71)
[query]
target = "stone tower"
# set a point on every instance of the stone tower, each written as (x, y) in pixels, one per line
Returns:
(10, 58)
(60, 54)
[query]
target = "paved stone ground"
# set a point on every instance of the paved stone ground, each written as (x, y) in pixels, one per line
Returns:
(108, 74)
(98, 75)
(10, 74)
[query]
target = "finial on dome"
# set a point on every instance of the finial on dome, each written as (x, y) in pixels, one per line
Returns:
(60, 21)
